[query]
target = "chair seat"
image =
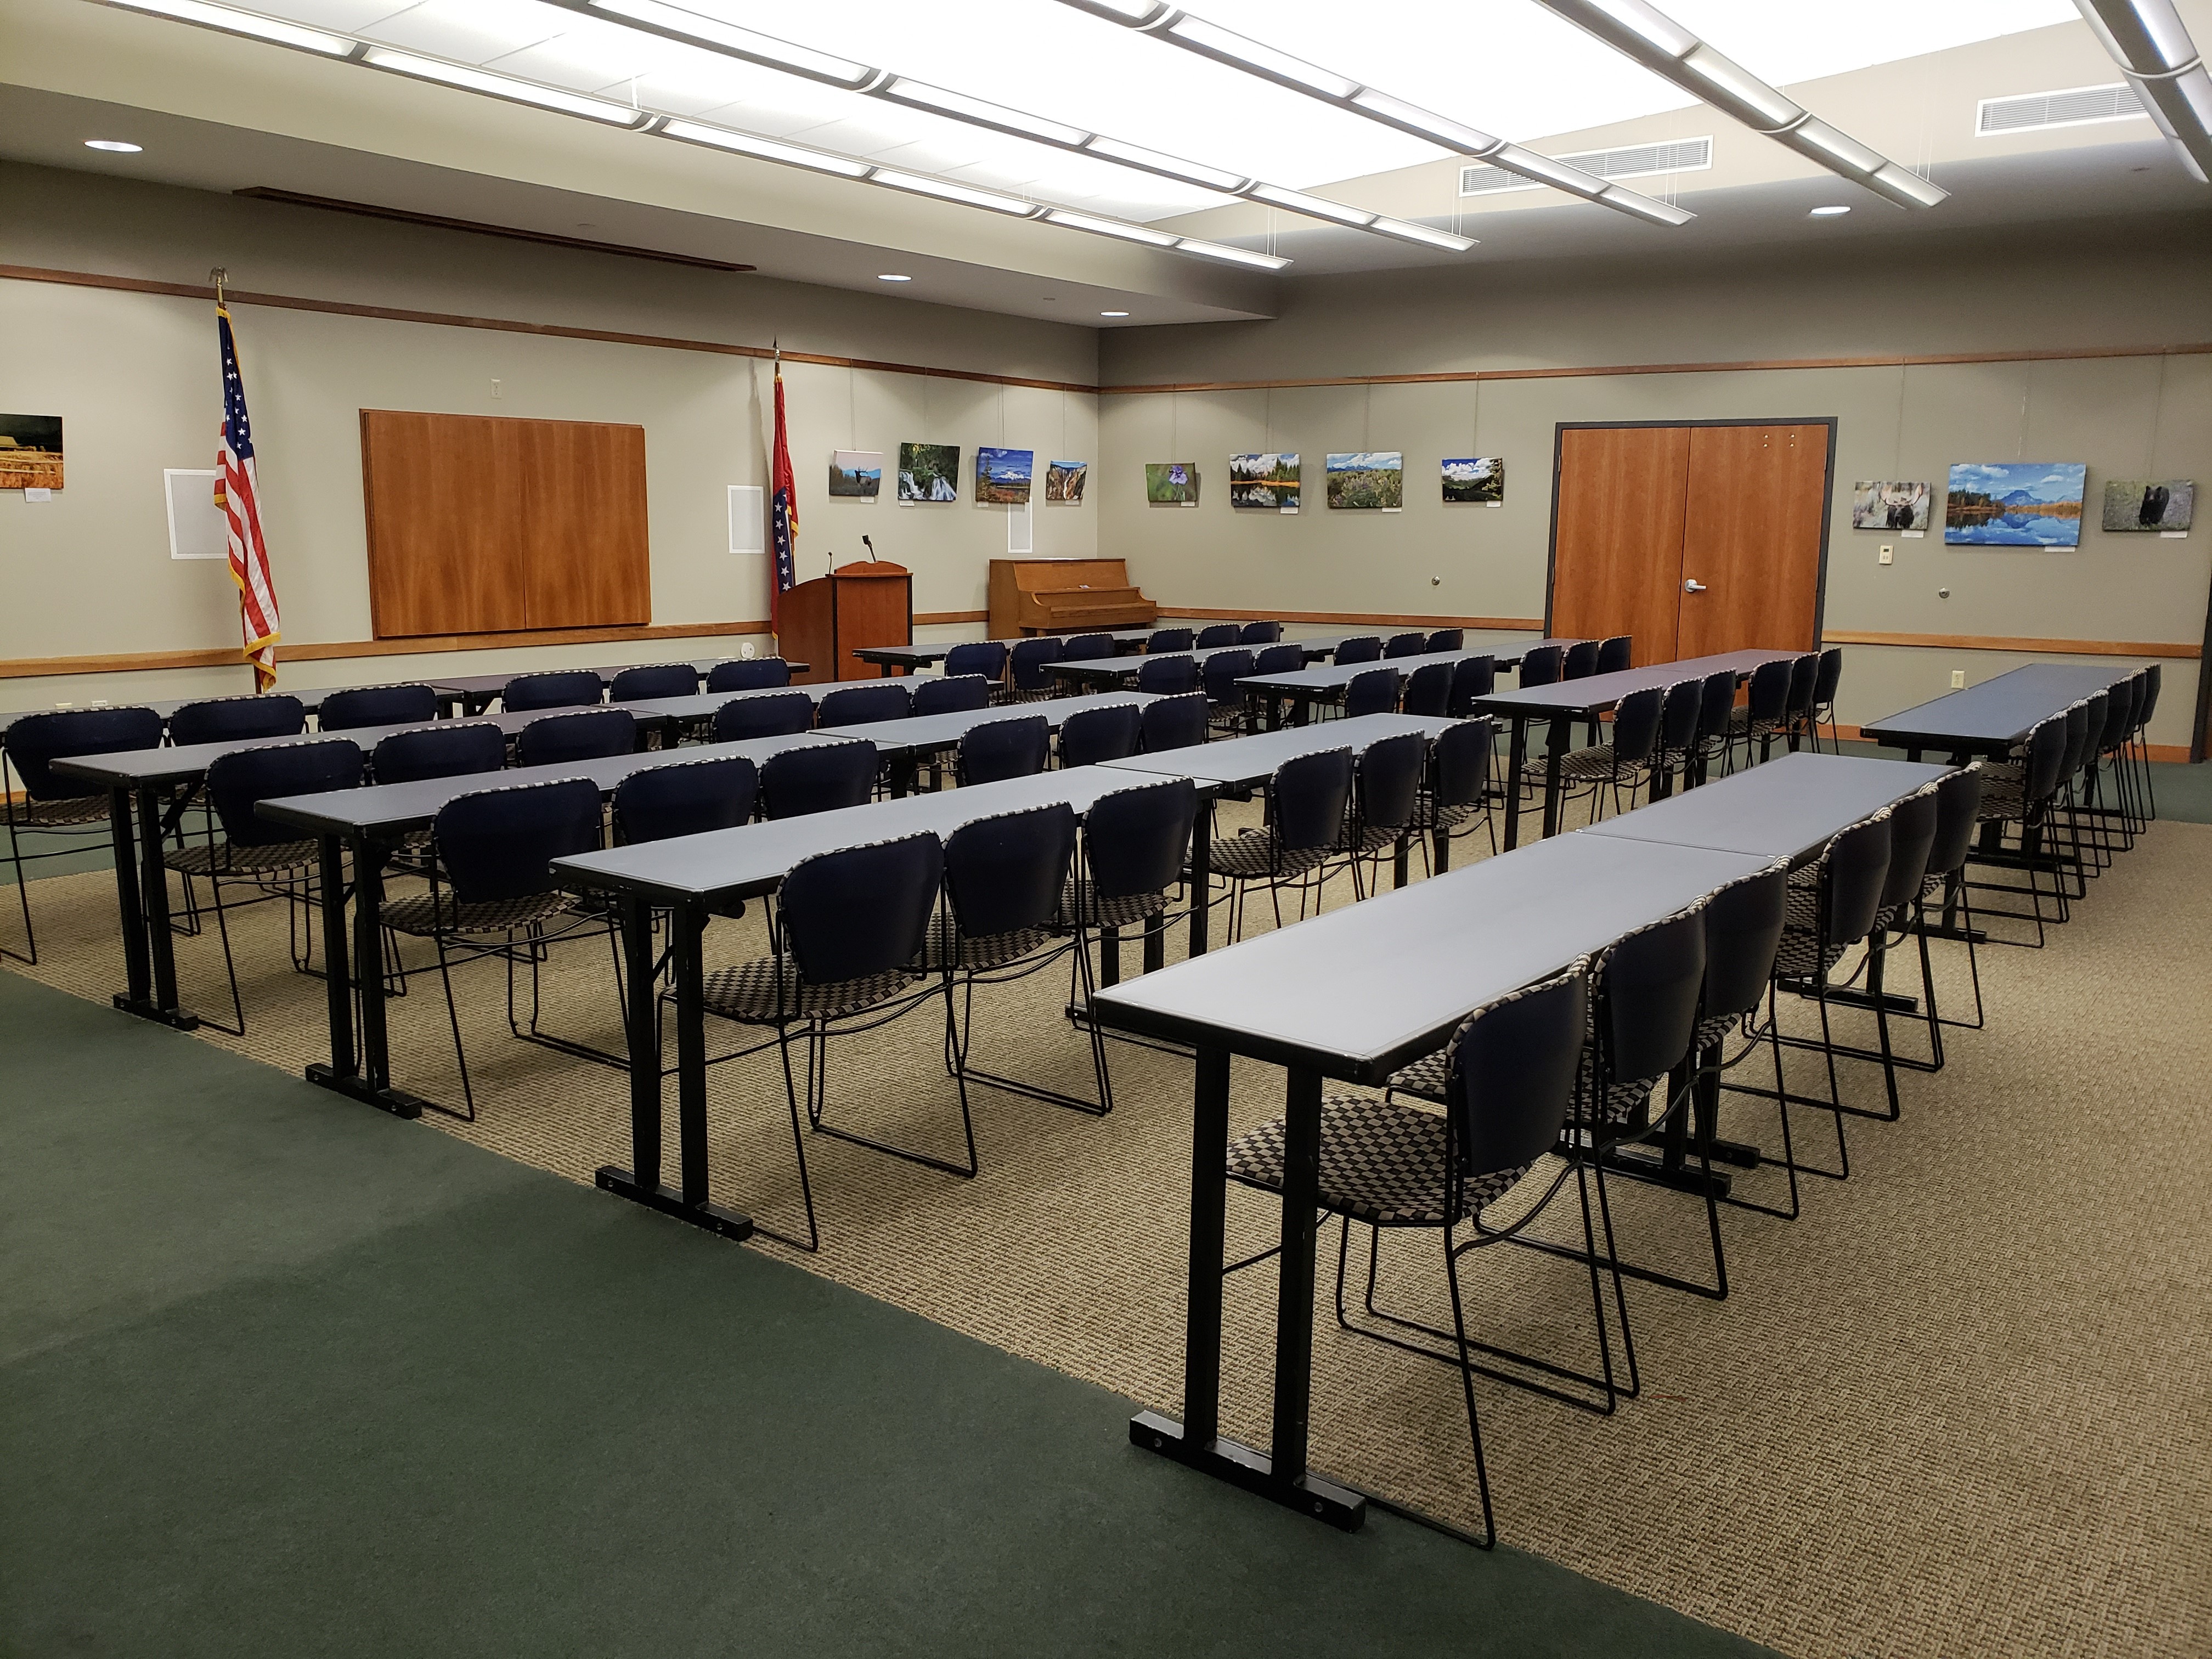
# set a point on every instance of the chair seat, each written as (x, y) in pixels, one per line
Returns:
(1713, 1028)
(1617, 1103)
(1584, 765)
(1252, 857)
(2003, 801)
(224, 859)
(769, 988)
(1425, 1077)
(1427, 815)
(948, 949)
(1381, 1162)
(61, 814)
(1740, 721)
(1080, 902)
(1801, 956)
(424, 914)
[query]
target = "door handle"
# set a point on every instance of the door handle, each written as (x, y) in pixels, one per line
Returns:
(1693, 586)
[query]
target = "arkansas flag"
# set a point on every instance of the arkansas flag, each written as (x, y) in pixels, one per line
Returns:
(783, 506)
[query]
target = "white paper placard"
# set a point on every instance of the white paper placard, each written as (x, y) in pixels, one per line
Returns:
(1913, 535)
(37, 493)
(2173, 535)
(1019, 539)
(748, 519)
(197, 529)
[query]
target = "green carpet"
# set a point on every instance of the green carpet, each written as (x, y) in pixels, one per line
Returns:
(283, 1377)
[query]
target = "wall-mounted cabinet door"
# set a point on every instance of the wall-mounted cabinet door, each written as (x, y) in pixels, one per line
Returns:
(1617, 534)
(1757, 502)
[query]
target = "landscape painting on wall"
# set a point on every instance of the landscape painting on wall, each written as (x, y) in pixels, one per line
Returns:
(2141, 504)
(1064, 481)
(1267, 482)
(929, 472)
(1171, 483)
(856, 472)
(1368, 478)
(1479, 481)
(1002, 476)
(30, 451)
(1879, 505)
(2014, 504)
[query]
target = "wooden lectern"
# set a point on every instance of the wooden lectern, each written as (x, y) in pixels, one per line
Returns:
(868, 602)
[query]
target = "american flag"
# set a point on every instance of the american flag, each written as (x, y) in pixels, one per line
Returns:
(240, 505)
(783, 506)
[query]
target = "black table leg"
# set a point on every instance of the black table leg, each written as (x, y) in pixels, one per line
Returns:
(337, 953)
(902, 772)
(137, 966)
(1301, 710)
(372, 1082)
(1110, 958)
(1156, 943)
(1558, 733)
(1517, 757)
(1201, 874)
(1400, 859)
(1294, 1298)
(154, 898)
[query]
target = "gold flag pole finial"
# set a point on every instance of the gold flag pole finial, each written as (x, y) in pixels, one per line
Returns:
(220, 277)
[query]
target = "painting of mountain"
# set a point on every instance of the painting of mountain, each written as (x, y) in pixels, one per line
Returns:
(2015, 503)
(1477, 481)
(1368, 478)
(1002, 476)
(1064, 481)
(1269, 481)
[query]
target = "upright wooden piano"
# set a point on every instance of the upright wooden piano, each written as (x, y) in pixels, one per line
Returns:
(1065, 596)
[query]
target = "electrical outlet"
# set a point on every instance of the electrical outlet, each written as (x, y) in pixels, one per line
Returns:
(1888, 554)
(496, 391)
(1957, 679)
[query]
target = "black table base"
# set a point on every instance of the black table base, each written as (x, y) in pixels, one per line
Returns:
(147, 1008)
(353, 1086)
(712, 1217)
(1255, 1471)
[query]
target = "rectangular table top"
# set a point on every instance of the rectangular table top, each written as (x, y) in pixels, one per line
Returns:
(1357, 993)
(755, 858)
(920, 656)
(1327, 681)
(927, 733)
(388, 809)
(1241, 762)
(1998, 712)
(1785, 808)
(1595, 693)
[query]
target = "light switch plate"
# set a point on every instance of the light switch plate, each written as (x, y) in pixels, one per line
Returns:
(1888, 554)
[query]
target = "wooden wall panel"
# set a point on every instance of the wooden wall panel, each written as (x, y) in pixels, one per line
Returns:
(1757, 501)
(1617, 534)
(482, 524)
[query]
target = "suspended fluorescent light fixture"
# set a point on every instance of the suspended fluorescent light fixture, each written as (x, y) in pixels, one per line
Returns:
(2149, 42)
(944, 190)
(1096, 227)
(765, 149)
(1228, 255)
(503, 86)
(1180, 28)
(1656, 40)
(245, 23)
(765, 50)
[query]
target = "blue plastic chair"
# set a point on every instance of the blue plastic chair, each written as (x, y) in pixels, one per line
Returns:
(452, 750)
(376, 705)
(68, 810)
(1448, 639)
(984, 657)
(1092, 736)
(237, 720)
(1086, 648)
(1366, 647)
(1164, 640)
(780, 716)
(559, 687)
(1175, 723)
(1026, 667)
(998, 749)
(1260, 632)
(952, 694)
(1374, 692)
(642, 685)
(590, 734)
(820, 777)
(749, 674)
(1217, 636)
(864, 705)
(1167, 676)
(1405, 645)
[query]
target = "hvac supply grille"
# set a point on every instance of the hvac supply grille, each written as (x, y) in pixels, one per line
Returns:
(1631, 161)
(2076, 106)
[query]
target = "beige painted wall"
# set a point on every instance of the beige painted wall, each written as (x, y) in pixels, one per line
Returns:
(133, 376)
(2126, 417)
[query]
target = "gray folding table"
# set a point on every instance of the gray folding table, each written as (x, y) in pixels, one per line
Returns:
(1303, 688)
(472, 693)
(906, 742)
(1121, 670)
(1994, 717)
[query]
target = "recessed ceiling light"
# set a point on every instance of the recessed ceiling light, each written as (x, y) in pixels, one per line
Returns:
(1113, 313)
(122, 145)
(892, 277)
(1827, 212)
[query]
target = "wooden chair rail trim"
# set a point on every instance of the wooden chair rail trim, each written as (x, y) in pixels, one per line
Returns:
(2007, 642)
(1357, 618)
(557, 331)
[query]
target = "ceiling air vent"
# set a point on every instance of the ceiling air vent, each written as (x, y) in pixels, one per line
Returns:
(2077, 107)
(1633, 161)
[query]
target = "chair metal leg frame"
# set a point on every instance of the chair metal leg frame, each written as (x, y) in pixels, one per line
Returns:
(296, 891)
(2031, 858)
(537, 946)
(95, 836)
(820, 1029)
(1717, 1072)
(1877, 958)
(1957, 924)
(1885, 1056)
(1781, 1095)
(959, 1034)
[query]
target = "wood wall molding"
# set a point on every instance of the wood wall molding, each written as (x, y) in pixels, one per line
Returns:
(554, 331)
(948, 618)
(1356, 618)
(2005, 642)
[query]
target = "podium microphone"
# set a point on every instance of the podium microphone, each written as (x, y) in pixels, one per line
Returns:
(871, 546)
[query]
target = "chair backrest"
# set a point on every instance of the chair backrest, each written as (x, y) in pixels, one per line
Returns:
(664, 679)
(1428, 690)
(820, 777)
(2152, 675)
(1307, 798)
(1171, 639)
(749, 674)
(780, 716)
(1405, 645)
(1769, 691)
(1541, 665)
(499, 843)
(1219, 671)
(562, 688)
(1471, 678)
(239, 780)
(864, 705)
(1087, 647)
(1135, 840)
(1279, 660)
(237, 720)
(2138, 695)
(1216, 636)
(1026, 661)
(1092, 735)
(984, 657)
(1716, 703)
(35, 741)
(1853, 867)
(1260, 632)
(2119, 714)
(1636, 726)
(1174, 723)
(1957, 805)
(1463, 759)
(948, 696)
(453, 749)
(1580, 662)
(1678, 716)
(1387, 776)
(1005, 874)
(1374, 692)
(688, 798)
(1364, 647)
(376, 705)
(1168, 677)
(2046, 755)
(1827, 677)
(863, 911)
(1511, 1081)
(1648, 986)
(2077, 735)
(1615, 654)
(1448, 639)
(588, 734)
(1803, 672)
(998, 749)
(1743, 930)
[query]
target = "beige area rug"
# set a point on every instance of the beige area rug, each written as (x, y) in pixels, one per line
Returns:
(1959, 1407)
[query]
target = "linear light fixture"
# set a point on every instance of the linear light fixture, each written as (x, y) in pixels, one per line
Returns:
(2149, 42)
(1254, 58)
(470, 79)
(276, 29)
(1656, 40)
(676, 23)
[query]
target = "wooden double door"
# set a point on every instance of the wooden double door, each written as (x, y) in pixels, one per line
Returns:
(1692, 539)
